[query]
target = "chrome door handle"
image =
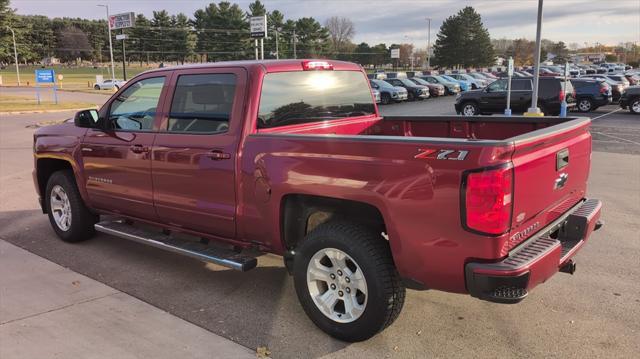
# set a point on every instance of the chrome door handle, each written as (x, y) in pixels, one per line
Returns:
(139, 149)
(218, 155)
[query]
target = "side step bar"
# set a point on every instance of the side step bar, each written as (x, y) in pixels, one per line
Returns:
(220, 256)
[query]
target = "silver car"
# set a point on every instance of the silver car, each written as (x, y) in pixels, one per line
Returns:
(109, 84)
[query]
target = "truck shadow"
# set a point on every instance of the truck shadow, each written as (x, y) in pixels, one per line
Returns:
(255, 308)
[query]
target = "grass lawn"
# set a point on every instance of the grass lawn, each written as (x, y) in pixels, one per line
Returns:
(74, 78)
(19, 103)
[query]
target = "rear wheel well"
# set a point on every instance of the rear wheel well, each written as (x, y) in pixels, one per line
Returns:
(303, 213)
(45, 168)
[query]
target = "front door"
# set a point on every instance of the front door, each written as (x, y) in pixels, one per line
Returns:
(494, 97)
(116, 158)
(194, 154)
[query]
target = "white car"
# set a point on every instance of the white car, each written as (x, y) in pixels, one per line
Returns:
(109, 84)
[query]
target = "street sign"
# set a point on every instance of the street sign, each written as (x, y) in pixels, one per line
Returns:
(258, 26)
(46, 76)
(510, 67)
(122, 37)
(122, 21)
(567, 71)
(395, 53)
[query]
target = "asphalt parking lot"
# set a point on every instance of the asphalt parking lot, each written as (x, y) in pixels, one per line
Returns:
(594, 313)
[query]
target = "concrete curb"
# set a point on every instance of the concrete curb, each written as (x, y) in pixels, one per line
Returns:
(41, 111)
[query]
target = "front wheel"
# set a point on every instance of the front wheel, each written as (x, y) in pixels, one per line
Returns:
(634, 106)
(346, 281)
(385, 98)
(70, 218)
(96, 87)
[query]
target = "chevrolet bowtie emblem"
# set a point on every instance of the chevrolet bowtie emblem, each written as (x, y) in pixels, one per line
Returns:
(561, 180)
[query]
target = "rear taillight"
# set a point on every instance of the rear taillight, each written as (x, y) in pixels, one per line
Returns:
(487, 200)
(561, 95)
(604, 89)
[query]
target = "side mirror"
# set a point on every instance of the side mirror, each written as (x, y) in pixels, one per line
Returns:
(86, 118)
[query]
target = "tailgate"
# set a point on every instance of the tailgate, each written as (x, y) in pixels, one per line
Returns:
(551, 169)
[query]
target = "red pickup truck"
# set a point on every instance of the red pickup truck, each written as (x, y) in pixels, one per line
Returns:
(224, 161)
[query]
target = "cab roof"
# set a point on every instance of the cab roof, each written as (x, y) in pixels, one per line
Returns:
(267, 65)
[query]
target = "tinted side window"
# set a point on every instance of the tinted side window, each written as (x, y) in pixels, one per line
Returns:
(549, 88)
(202, 103)
(520, 85)
(310, 96)
(135, 108)
(499, 85)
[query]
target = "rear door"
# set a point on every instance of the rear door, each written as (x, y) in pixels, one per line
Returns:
(521, 94)
(194, 154)
(550, 175)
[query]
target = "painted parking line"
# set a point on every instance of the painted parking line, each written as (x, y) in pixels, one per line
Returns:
(606, 114)
(616, 137)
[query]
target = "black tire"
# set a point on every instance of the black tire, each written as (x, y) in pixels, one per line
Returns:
(634, 105)
(385, 290)
(385, 98)
(82, 220)
(96, 87)
(585, 105)
(117, 87)
(468, 106)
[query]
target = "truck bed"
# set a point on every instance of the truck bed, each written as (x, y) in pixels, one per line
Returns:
(475, 128)
(390, 164)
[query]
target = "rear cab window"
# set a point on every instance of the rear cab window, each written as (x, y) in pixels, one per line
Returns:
(298, 97)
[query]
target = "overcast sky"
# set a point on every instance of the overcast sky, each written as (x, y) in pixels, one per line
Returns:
(396, 21)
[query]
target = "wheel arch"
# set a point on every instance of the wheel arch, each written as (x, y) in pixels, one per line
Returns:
(45, 167)
(301, 213)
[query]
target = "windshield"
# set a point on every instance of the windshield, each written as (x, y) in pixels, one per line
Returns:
(310, 96)
(382, 83)
(443, 79)
(449, 78)
(419, 81)
(407, 82)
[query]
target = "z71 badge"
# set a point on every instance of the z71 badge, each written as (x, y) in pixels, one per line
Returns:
(455, 155)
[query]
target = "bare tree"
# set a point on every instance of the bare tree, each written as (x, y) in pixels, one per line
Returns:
(341, 31)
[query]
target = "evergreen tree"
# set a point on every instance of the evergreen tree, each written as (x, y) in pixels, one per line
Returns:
(463, 41)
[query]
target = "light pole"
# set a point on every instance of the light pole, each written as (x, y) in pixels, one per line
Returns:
(295, 40)
(428, 43)
(113, 69)
(278, 29)
(534, 110)
(15, 53)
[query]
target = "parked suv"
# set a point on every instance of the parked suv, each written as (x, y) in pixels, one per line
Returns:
(591, 94)
(388, 92)
(493, 98)
(631, 99)
(414, 91)
(451, 87)
(435, 90)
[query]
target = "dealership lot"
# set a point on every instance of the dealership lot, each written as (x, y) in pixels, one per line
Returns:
(595, 313)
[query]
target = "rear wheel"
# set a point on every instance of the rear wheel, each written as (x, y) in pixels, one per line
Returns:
(346, 281)
(634, 105)
(585, 105)
(96, 87)
(70, 218)
(470, 109)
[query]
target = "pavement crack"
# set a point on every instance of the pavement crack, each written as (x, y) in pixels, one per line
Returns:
(60, 308)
